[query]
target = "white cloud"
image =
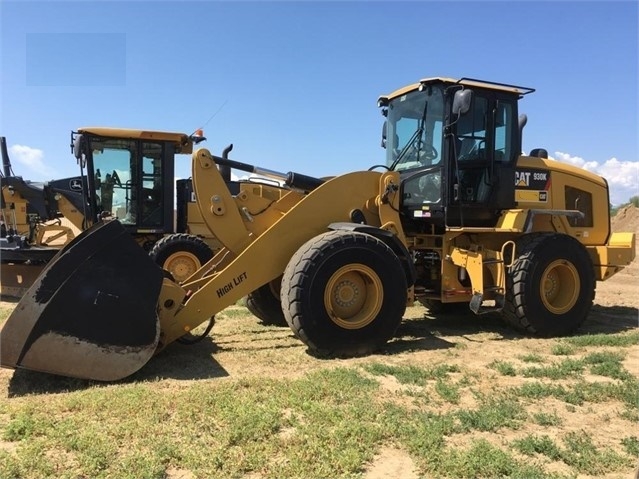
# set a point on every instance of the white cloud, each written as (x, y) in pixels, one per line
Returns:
(33, 160)
(622, 176)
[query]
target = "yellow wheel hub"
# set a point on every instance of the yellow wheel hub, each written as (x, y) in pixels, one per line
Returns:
(353, 296)
(182, 264)
(560, 286)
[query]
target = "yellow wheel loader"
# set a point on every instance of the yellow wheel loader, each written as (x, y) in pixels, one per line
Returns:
(455, 215)
(130, 177)
(126, 174)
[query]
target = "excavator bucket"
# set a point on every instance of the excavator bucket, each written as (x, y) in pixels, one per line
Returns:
(92, 311)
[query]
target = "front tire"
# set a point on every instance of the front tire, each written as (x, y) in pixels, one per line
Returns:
(344, 293)
(551, 286)
(181, 254)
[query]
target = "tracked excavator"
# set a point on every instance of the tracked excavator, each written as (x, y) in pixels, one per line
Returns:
(456, 214)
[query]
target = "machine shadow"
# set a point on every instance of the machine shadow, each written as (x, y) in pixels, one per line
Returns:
(459, 324)
(183, 362)
(430, 331)
(179, 362)
(610, 320)
(9, 299)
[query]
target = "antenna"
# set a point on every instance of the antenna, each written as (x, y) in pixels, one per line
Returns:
(211, 117)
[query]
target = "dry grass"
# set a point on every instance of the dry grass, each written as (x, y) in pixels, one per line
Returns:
(448, 397)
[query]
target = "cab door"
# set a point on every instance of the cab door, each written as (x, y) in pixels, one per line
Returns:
(483, 151)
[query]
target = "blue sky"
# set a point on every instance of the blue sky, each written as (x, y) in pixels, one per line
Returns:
(294, 85)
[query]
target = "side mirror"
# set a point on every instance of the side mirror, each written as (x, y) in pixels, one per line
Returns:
(384, 134)
(79, 146)
(462, 101)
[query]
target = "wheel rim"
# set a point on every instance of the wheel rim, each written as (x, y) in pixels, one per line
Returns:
(560, 286)
(353, 296)
(181, 265)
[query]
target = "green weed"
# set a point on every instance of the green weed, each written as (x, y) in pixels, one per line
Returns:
(503, 367)
(531, 358)
(565, 369)
(532, 444)
(546, 419)
(614, 340)
(562, 349)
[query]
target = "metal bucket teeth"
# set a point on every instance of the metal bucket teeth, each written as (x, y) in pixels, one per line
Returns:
(92, 311)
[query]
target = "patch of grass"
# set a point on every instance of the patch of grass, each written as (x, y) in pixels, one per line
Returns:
(235, 312)
(630, 415)
(412, 374)
(531, 358)
(581, 453)
(492, 415)
(539, 390)
(9, 464)
(25, 424)
(482, 459)
(546, 419)
(326, 423)
(627, 392)
(615, 340)
(607, 363)
(565, 369)
(562, 349)
(403, 374)
(505, 368)
(423, 434)
(631, 444)
(532, 444)
(447, 391)
(600, 357)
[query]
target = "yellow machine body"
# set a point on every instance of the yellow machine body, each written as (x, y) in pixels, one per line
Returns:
(524, 235)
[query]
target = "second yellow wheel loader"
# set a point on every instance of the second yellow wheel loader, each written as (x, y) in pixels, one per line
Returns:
(456, 215)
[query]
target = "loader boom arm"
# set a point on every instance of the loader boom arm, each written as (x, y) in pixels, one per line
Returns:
(262, 259)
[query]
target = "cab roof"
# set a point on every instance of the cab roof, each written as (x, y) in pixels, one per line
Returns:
(470, 82)
(183, 142)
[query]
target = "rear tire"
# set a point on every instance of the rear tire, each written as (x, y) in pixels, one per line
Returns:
(344, 293)
(551, 286)
(181, 254)
(264, 303)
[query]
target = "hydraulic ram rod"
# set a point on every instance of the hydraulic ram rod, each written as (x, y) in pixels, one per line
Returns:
(294, 180)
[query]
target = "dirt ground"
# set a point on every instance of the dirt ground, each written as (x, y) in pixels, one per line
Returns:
(239, 347)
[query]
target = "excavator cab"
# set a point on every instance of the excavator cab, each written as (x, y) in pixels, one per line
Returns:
(455, 144)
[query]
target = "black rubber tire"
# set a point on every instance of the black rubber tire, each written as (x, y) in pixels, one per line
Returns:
(196, 251)
(524, 307)
(318, 264)
(264, 303)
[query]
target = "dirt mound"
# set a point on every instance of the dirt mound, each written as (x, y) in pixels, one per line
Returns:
(626, 219)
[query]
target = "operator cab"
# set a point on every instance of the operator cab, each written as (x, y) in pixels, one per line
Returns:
(455, 144)
(130, 175)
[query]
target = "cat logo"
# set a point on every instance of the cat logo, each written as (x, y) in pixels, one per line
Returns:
(522, 178)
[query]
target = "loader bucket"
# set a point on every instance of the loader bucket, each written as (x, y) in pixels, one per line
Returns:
(92, 311)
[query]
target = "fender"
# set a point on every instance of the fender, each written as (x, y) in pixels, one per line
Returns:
(391, 240)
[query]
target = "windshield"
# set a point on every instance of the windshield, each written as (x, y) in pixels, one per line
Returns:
(414, 129)
(128, 185)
